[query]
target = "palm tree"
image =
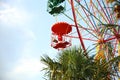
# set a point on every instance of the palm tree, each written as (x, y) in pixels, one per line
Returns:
(75, 64)
(71, 64)
(52, 69)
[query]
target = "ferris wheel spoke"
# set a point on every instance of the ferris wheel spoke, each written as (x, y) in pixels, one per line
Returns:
(111, 13)
(107, 12)
(83, 18)
(80, 26)
(95, 25)
(99, 12)
(103, 11)
(115, 47)
(88, 18)
(89, 39)
(89, 12)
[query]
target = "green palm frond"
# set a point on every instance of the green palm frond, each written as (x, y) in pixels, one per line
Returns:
(71, 64)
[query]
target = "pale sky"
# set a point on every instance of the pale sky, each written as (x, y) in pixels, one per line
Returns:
(25, 29)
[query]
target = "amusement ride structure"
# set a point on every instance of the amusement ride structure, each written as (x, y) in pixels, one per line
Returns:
(95, 21)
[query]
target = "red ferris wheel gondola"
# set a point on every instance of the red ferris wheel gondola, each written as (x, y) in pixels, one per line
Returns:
(59, 30)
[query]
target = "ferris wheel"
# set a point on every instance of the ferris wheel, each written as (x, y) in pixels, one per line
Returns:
(94, 21)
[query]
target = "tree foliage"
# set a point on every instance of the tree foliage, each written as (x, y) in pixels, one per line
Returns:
(71, 64)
